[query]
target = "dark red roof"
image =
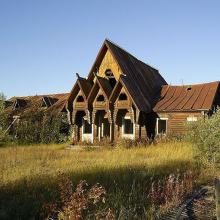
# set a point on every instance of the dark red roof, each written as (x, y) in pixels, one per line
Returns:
(183, 98)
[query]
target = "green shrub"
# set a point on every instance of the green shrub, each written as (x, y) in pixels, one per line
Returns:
(205, 134)
(35, 125)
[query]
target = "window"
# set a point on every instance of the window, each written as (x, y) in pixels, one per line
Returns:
(80, 99)
(43, 104)
(123, 96)
(15, 106)
(128, 126)
(109, 74)
(87, 128)
(192, 118)
(162, 125)
(100, 98)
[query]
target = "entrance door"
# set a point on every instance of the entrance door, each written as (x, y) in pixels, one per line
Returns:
(104, 128)
(87, 131)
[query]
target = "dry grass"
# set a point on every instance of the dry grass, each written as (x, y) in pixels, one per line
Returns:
(29, 174)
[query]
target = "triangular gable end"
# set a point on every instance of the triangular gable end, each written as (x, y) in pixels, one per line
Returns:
(117, 91)
(79, 85)
(19, 103)
(104, 53)
(93, 93)
(48, 101)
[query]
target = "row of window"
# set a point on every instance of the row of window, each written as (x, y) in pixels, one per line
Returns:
(128, 127)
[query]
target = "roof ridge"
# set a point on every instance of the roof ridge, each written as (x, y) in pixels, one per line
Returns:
(119, 47)
(45, 95)
(130, 53)
(194, 84)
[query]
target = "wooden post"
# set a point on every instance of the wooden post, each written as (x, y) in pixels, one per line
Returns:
(217, 197)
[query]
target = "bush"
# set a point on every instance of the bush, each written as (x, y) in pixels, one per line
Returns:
(205, 134)
(36, 125)
(78, 204)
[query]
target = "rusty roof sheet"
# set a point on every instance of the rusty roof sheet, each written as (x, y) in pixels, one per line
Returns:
(24, 101)
(141, 80)
(184, 98)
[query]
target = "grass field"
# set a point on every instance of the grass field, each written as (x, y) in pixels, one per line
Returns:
(28, 176)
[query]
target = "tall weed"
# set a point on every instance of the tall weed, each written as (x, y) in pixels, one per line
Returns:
(29, 175)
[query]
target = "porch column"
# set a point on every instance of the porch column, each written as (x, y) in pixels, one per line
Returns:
(112, 131)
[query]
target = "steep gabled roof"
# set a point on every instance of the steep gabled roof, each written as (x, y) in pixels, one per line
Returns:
(141, 80)
(185, 98)
(82, 84)
(104, 85)
(85, 85)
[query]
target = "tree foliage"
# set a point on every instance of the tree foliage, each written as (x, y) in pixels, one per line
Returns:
(36, 125)
(205, 133)
(2, 102)
(4, 122)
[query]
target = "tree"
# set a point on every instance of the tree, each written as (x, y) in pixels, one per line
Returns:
(205, 133)
(37, 125)
(2, 101)
(3, 115)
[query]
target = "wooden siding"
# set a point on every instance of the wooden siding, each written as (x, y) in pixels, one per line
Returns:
(121, 104)
(108, 63)
(79, 105)
(176, 121)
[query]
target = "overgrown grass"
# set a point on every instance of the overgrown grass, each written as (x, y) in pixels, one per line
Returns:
(28, 177)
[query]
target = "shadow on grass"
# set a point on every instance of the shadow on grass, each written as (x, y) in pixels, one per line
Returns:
(126, 187)
(2, 144)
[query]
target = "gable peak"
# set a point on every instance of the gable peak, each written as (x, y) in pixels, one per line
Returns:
(109, 41)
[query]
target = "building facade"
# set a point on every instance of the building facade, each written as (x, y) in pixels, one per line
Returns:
(125, 97)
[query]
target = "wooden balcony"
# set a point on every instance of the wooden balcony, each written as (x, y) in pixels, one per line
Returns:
(101, 105)
(79, 105)
(123, 104)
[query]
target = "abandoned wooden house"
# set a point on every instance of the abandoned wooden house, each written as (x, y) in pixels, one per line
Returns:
(17, 106)
(122, 96)
(179, 104)
(125, 97)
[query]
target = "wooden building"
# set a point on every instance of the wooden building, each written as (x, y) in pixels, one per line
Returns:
(17, 106)
(125, 97)
(178, 104)
(116, 97)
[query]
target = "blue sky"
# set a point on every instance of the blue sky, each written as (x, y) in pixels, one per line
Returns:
(43, 43)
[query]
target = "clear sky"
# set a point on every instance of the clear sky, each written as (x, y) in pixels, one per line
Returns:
(43, 43)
